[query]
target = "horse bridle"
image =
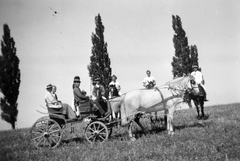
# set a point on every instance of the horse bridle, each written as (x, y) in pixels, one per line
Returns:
(185, 91)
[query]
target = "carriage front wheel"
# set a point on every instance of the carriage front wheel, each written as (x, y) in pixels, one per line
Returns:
(96, 132)
(46, 133)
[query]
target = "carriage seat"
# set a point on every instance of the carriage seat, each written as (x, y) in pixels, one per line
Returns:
(55, 112)
(85, 109)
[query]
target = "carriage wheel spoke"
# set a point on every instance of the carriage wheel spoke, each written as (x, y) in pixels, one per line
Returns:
(90, 129)
(53, 140)
(51, 127)
(37, 132)
(101, 130)
(100, 136)
(91, 136)
(94, 138)
(102, 133)
(37, 137)
(42, 138)
(54, 131)
(95, 127)
(98, 126)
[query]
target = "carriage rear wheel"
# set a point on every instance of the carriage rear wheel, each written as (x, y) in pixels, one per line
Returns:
(96, 132)
(46, 133)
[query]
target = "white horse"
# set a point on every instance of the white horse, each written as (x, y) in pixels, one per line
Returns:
(115, 104)
(163, 98)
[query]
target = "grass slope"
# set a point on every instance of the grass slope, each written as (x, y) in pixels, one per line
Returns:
(217, 138)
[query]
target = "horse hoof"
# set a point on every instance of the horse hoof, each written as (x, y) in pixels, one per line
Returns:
(133, 139)
(170, 133)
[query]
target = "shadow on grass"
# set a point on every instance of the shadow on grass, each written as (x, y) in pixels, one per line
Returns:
(202, 118)
(76, 139)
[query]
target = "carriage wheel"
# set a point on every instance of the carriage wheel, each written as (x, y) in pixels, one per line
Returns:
(96, 131)
(46, 133)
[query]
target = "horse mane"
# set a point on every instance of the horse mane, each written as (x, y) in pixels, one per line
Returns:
(176, 82)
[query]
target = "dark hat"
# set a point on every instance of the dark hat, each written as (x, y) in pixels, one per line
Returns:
(114, 76)
(49, 86)
(76, 79)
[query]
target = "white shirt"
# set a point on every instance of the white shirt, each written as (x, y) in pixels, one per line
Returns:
(198, 76)
(117, 85)
(51, 100)
(147, 80)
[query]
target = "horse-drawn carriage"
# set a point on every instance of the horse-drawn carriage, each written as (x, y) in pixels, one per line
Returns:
(47, 131)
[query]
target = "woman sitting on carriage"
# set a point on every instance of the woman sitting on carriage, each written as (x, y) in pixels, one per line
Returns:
(55, 106)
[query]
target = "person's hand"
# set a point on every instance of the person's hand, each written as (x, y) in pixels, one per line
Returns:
(90, 97)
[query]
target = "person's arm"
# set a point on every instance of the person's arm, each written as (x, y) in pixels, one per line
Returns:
(94, 91)
(144, 83)
(102, 91)
(154, 81)
(51, 102)
(203, 81)
(78, 93)
(118, 87)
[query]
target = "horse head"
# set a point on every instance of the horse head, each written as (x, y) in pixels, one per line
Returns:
(150, 85)
(113, 90)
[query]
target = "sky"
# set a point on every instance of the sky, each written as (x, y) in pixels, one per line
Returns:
(53, 47)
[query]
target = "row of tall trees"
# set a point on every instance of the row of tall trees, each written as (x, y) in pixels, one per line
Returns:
(185, 56)
(100, 64)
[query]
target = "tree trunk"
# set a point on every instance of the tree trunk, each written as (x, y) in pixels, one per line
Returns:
(13, 125)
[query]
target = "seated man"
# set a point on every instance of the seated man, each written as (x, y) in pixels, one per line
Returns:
(80, 98)
(100, 100)
(52, 102)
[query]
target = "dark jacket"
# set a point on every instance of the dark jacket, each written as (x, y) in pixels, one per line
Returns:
(79, 98)
(100, 89)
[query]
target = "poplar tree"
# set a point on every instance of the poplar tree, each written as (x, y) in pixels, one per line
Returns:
(181, 60)
(9, 78)
(99, 66)
(194, 55)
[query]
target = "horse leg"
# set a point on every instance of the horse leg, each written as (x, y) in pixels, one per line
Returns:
(137, 118)
(196, 104)
(170, 124)
(202, 107)
(130, 133)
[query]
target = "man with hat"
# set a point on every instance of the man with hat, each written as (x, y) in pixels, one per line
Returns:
(52, 102)
(98, 89)
(80, 98)
(149, 81)
(100, 101)
(198, 78)
(78, 94)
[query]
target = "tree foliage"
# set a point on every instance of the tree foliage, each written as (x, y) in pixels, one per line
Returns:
(9, 78)
(99, 66)
(184, 56)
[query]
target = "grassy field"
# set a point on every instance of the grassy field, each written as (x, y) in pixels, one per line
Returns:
(216, 138)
